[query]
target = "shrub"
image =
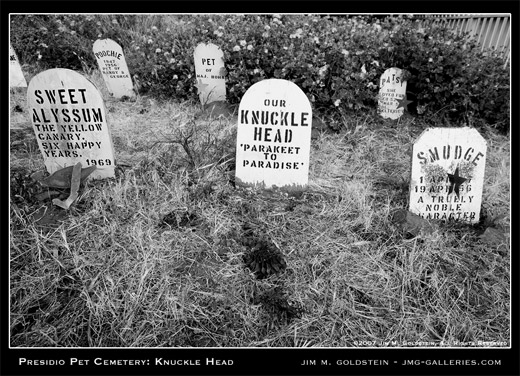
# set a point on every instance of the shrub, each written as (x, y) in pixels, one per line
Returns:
(337, 61)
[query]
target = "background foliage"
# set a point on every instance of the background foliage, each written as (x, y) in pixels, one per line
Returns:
(337, 61)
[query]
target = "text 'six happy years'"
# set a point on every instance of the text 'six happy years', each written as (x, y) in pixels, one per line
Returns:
(65, 124)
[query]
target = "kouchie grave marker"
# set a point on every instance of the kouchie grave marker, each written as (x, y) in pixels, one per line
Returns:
(112, 64)
(273, 136)
(69, 120)
(392, 94)
(448, 167)
(16, 78)
(210, 73)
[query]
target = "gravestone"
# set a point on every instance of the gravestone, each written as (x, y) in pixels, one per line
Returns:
(273, 136)
(16, 78)
(112, 64)
(69, 120)
(448, 174)
(210, 73)
(392, 94)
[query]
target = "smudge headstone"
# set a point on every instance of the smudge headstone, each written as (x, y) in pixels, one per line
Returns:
(69, 120)
(210, 73)
(273, 136)
(16, 78)
(448, 167)
(112, 64)
(392, 94)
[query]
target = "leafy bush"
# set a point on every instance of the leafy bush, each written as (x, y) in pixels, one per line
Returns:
(337, 61)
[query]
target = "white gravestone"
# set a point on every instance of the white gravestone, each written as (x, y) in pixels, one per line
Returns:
(112, 64)
(448, 174)
(392, 93)
(16, 78)
(69, 120)
(273, 136)
(210, 72)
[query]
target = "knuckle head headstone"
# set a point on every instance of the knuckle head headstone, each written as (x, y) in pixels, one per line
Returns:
(273, 136)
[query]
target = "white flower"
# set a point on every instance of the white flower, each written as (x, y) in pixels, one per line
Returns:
(266, 50)
(39, 56)
(265, 34)
(375, 62)
(249, 47)
(175, 77)
(242, 42)
(337, 102)
(154, 28)
(267, 27)
(285, 48)
(344, 52)
(322, 70)
(150, 41)
(172, 61)
(72, 32)
(236, 48)
(114, 21)
(256, 70)
(430, 60)
(316, 40)
(158, 51)
(363, 69)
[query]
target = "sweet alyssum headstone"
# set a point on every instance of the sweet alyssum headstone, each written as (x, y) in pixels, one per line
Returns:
(210, 73)
(69, 120)
(112, 64)
(448, 174)
(273, 136)
(392, 94)
(16, 78)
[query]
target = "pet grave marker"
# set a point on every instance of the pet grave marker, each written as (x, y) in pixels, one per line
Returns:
(210, 73)
(112, 64)
(392, 94)
(273, 136)
(16, 78)
(69, 120)
(448, 174)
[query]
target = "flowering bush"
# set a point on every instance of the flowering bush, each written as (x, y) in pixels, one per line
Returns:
(337, 61)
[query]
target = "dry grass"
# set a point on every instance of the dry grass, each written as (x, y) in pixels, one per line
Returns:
(114, 274)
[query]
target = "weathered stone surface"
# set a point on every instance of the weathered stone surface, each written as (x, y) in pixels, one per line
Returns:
(210, 73)
(392, 90)
(16, 77)
(113, 67)
(448, 174)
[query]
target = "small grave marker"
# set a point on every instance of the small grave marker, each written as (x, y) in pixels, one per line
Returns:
(392, 94)
(16, 78)
(273, 136)
(69, 120)
(448, 174)
(210, 73)
(112, 64)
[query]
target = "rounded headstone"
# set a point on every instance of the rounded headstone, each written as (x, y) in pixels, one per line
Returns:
(210, 73)
(16, 78)
(392, 90)
(448, 167)
(69, 120)
(273, 136)
(112, 64)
